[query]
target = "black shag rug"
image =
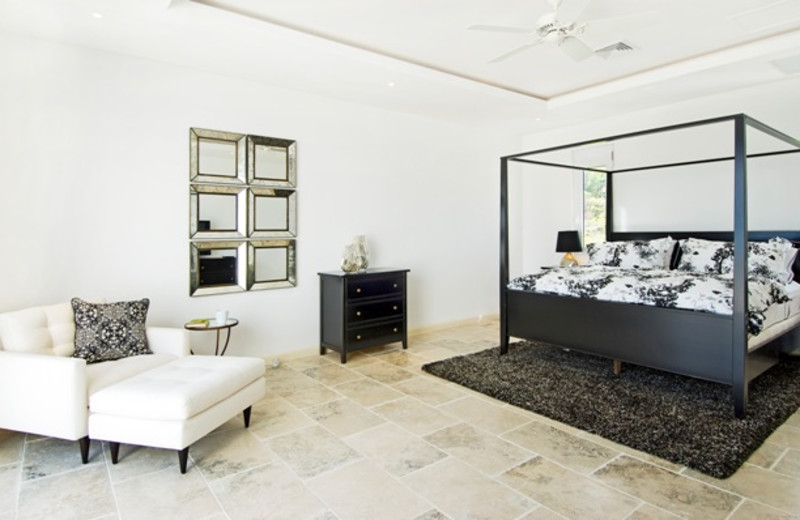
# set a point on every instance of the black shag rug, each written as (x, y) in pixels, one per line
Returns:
(677, 418)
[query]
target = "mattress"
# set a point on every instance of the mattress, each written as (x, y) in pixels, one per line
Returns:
(678, 289)
(779, 318)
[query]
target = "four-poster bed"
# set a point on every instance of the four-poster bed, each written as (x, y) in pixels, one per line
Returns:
(698, 344)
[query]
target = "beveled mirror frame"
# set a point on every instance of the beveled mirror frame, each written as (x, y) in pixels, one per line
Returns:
(196, 190)
(290, 230)
(290, 180)
(196, 137)
(291, 269)
(196, 289)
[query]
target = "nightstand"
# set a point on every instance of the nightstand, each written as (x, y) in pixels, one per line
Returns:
(363, 309)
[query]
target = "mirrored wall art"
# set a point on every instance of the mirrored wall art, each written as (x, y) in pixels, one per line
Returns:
(218, 267)
(271, 264)
(271, 213)
(242, 211)
(218, 157)
(271, 161)
(217, 211)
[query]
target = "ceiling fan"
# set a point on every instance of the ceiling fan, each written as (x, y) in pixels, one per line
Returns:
(560, 27)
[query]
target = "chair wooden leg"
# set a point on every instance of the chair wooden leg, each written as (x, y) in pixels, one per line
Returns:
(83, 442)
(246, 413)
(183, 457)
(114, 448)
(617, 367)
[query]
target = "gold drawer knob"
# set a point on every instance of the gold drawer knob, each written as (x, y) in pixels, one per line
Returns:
(394, 329)
(358, 289)
(358, 337)
(358, 313)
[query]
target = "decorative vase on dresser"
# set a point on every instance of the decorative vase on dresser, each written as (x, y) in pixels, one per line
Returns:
(362, 309)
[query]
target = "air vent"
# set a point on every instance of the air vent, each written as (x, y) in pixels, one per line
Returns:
(615, 48)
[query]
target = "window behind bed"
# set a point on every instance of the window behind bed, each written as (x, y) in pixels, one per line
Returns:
(594, 206)
(591, 195)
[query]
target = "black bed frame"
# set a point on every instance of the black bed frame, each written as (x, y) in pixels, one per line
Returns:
(697, 344)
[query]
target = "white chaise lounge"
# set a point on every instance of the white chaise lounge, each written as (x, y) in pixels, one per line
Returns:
(46, 391)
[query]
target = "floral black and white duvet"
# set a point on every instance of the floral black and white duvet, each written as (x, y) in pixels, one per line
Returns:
(662, 288)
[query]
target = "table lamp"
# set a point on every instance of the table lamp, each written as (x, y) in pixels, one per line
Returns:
(568, 242)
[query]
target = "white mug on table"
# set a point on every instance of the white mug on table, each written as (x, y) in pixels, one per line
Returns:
(222, 317)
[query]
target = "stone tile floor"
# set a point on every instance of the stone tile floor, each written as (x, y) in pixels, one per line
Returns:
(379, 439)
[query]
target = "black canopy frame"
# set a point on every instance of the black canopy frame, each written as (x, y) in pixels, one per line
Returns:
(704, 345)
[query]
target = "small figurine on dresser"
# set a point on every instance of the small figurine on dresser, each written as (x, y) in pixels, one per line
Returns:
(356, 255)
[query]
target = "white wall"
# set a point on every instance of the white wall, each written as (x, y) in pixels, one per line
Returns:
(775, 104)
(94, 198)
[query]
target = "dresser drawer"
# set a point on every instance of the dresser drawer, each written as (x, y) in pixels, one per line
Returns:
(358, 312)
(369, 288)
(384, 331)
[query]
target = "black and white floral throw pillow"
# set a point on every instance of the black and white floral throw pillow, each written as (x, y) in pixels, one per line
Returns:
(772, 259)
(107, 331)
(704, 256)
(632, 254)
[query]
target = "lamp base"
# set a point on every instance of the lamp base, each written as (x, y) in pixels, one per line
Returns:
(568, 261)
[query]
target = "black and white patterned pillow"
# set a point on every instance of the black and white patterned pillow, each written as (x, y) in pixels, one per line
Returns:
(107, 331)
(704, 256)
(603, 253)
(772, 259)
(632, 254)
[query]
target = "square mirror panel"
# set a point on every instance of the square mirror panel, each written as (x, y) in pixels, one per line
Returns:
(271, 264)
(217, 267)
(216, 156)
(271, 161)
(217, 211)
(272, 213)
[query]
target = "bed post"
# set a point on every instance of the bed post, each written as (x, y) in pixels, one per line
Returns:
(503, 254)
(740, 236)
(609, 206)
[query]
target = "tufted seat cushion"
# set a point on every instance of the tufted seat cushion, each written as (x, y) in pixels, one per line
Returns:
(107, 373)
(178, 390)
(47, 329)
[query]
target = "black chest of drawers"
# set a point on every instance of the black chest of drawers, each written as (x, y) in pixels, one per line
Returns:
(360, 310)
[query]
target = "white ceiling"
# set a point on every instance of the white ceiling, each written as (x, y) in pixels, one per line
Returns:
(419, 56)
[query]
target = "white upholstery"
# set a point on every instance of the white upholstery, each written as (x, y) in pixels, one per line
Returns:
(173, 435)
(47, 329)
(45, 391)
(178, 390)
(174, 405)
(45, 395)
(101, 375)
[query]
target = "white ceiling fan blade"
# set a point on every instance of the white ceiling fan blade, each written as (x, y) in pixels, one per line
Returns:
(575, 49)
(568, 11)
(515, 51)
(499, 28)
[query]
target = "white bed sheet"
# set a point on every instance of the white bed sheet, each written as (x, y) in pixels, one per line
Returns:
(779, 318)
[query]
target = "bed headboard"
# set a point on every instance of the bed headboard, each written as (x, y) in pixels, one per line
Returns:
(753, 236)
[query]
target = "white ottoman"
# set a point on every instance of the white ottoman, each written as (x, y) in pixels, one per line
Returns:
(175, 404)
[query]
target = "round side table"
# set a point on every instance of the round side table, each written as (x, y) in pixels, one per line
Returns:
(212, 325)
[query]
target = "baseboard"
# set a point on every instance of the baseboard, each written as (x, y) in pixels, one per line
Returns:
(449, 325)
(418, 331)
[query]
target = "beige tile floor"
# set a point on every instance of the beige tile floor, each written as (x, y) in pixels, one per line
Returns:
(379, 439)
